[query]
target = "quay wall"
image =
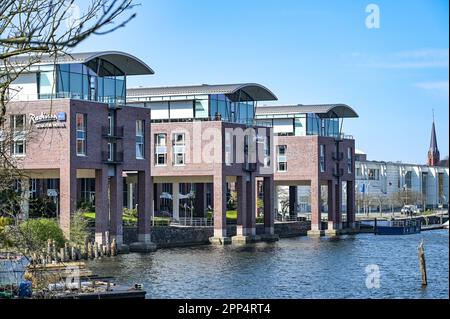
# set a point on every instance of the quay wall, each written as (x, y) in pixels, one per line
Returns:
(179, 236)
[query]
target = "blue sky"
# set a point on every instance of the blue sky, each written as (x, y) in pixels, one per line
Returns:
(309, 52)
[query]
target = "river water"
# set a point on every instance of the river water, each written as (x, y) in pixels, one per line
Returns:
(291, 268)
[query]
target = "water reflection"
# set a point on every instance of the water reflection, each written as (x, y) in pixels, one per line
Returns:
(291, 268)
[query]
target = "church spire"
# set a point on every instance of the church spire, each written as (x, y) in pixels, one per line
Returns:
(433, 152)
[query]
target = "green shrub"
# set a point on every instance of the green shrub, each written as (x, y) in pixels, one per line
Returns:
(85, 206)
(5, 221)
(39, 231)
(79, 225)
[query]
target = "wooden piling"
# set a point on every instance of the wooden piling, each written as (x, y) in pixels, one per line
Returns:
(422, 264)
(114, 247)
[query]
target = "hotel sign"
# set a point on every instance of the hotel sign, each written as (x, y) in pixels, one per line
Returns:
(45, 120)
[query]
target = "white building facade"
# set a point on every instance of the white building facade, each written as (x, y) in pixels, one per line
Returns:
(427, 186)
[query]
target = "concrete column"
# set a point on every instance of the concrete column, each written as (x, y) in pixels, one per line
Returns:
(176, 200)
(25, 198)
(316, 224)
(292, 200)
(145, 211)
(269, 227)
(101, 205)
(68, 197)
(220, 211)
(338, 208)
(200, 200)
(116, 204)
(350, 205)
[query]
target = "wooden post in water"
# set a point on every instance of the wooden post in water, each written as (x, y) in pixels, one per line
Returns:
(422, 265)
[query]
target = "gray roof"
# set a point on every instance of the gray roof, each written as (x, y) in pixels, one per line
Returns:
(256, 92)
(322, 110)
(127, 63)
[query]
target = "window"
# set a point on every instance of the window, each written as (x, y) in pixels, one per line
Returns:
(408, 179)
(110, 152)
(266, 146)
(281, 158)
(140, 127)
(160, 149)
(322, 160)
(374, 174)
(18, 146)
(81, 134)
(349, 160)
(358, 171)
(179, 149)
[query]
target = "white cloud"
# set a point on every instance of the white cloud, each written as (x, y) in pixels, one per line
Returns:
(414, 59)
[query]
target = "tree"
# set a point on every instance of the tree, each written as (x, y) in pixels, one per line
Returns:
(37, 30)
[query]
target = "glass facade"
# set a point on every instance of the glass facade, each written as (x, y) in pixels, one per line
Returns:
(222, 107)
(97, 80)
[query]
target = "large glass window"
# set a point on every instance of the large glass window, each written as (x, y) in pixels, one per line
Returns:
(313, 124)
(374, 174)
(140, 137)
(228, 148)
(322, 158)
(179, 149)
(201, 108)
(408, 179)
(81, 134)
(282, 158)
(160, 149)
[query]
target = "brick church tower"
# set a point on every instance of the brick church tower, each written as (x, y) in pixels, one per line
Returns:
(433, 152)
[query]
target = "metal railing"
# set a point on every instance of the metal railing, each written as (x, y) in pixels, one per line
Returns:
(116, 132)
(182, 221)
(115, 157)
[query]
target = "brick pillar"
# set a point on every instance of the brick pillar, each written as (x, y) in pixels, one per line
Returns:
(116, 204)
(338, 208)
(269, 198)
(176, 201)
(200, 200)
(331, 205)
(220, 206)
(241, 190)
(316, 224)
(292, 200)
(67, 197)
(101, 205)
(158, 192)
(79, 190)
(350, 204)
(250, 216)
(145, 207)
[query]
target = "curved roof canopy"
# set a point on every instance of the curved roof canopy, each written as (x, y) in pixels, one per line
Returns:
(236, 92)
(322, 110)
(126, 63)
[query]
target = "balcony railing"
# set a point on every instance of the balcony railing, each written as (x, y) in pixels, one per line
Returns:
(112, 158)
(116, 132)
(338, 172)
(338, 156)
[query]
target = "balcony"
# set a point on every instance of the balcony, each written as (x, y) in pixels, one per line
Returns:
(338, 156)
(114, 133)
(249, 167)
(114, 158)
(338, 172)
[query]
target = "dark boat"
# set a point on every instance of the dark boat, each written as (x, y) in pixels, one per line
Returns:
(398, 227)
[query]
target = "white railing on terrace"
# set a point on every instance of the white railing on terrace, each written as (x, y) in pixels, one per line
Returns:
(182, 221)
